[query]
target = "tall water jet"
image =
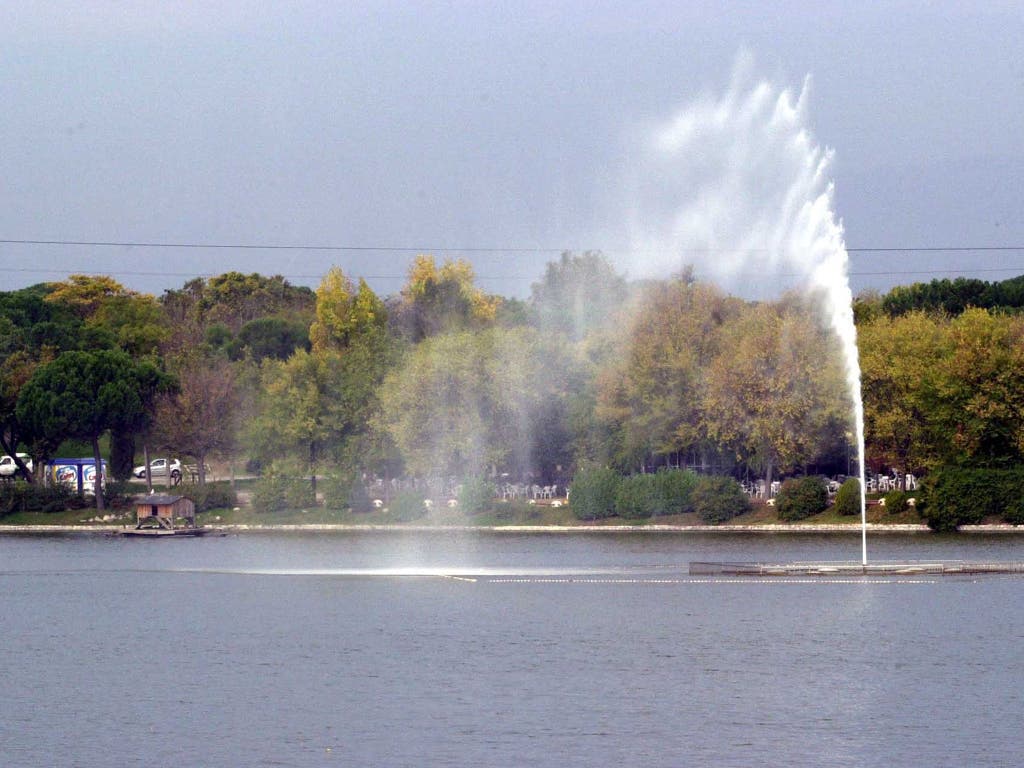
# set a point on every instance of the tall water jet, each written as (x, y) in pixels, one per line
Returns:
(737, 186)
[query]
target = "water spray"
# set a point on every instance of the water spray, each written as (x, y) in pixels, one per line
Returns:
(740, 179)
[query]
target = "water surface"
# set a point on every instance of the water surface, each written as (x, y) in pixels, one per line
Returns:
(546, 650)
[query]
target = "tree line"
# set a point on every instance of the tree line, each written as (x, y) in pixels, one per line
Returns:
(445, 380)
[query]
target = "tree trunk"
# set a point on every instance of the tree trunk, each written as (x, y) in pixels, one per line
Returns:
(98, 484)
(312, 468)
(149, 477)
(9, 446)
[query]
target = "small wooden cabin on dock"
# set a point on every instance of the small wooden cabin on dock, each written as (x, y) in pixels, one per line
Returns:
(162, 512)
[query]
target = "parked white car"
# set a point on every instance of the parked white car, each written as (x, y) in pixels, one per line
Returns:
(158, 468)
(9, 469)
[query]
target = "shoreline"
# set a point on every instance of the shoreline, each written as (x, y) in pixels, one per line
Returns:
(552, 529)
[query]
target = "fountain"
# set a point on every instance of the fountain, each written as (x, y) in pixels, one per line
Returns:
(740, 178)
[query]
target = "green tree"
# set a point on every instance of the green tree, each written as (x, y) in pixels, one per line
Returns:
(232, 300)
(345, 313)
(129, 320)
(900, 384)
(85, 294)
(134, 321)
(235, 299)
(299, 412)
(467, 404)
(15, 370)
(264, 337)
(318, 406)
(441, 300)
(578, 294)
(81, 395)
(980, 395)
(953, 297)
(33, 331)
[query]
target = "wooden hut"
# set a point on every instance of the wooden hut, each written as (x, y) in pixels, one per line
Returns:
(163, 512)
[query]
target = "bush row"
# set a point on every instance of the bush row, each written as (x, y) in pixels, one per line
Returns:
(600, 492)
(19, 496)
(955, 496)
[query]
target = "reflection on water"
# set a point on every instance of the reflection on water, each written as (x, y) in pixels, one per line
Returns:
(496, 650)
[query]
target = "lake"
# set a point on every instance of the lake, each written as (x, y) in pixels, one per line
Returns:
(488, 649)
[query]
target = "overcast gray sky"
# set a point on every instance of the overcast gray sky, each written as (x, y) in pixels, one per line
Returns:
(469, 125)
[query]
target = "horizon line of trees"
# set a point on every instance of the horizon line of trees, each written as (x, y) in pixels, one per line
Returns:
(445, 380)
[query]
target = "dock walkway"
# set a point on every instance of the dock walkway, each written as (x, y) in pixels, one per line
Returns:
(955, 567)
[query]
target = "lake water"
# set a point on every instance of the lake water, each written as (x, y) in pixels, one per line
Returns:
(462, 649)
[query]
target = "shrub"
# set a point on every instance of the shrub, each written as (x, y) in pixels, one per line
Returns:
(675, 491)
(268, 494)
(1014, 512)
(896, 502)
(298, 493)
(212, 496)
(408, 506)
(358, 497)
(801, 497)
(336, 490)
(848, 497)
(666, 492)
(118, 494)
(955, 496)
(476, 495)
(593, 493)
(636, 497)
(718, 499)
(20, 496)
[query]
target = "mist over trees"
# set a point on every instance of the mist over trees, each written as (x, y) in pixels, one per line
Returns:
(446, 380)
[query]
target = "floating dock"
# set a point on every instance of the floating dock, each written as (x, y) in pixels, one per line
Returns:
(154, 533)
(912, 568)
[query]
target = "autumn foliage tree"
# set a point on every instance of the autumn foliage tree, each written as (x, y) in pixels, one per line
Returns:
(775, 393)
(316, 407)
(652, 394)
(442, 299)
(468, 404)
(199, 418)
(900, 382)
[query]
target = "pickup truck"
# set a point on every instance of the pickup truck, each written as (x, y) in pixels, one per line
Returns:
(9, 469)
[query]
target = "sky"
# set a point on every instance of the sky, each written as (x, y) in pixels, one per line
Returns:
(503, 133)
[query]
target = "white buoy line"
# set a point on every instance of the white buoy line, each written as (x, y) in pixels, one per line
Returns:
(500, 575)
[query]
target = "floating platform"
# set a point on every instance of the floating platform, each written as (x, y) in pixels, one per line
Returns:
(158, 533)
(912, 568)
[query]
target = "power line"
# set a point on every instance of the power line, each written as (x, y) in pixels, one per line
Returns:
(277, 247)
(485, 250)
(189, 275)
(467, 249)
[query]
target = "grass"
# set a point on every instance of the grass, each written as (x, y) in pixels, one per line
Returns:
(500, 514)
(68, 517)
